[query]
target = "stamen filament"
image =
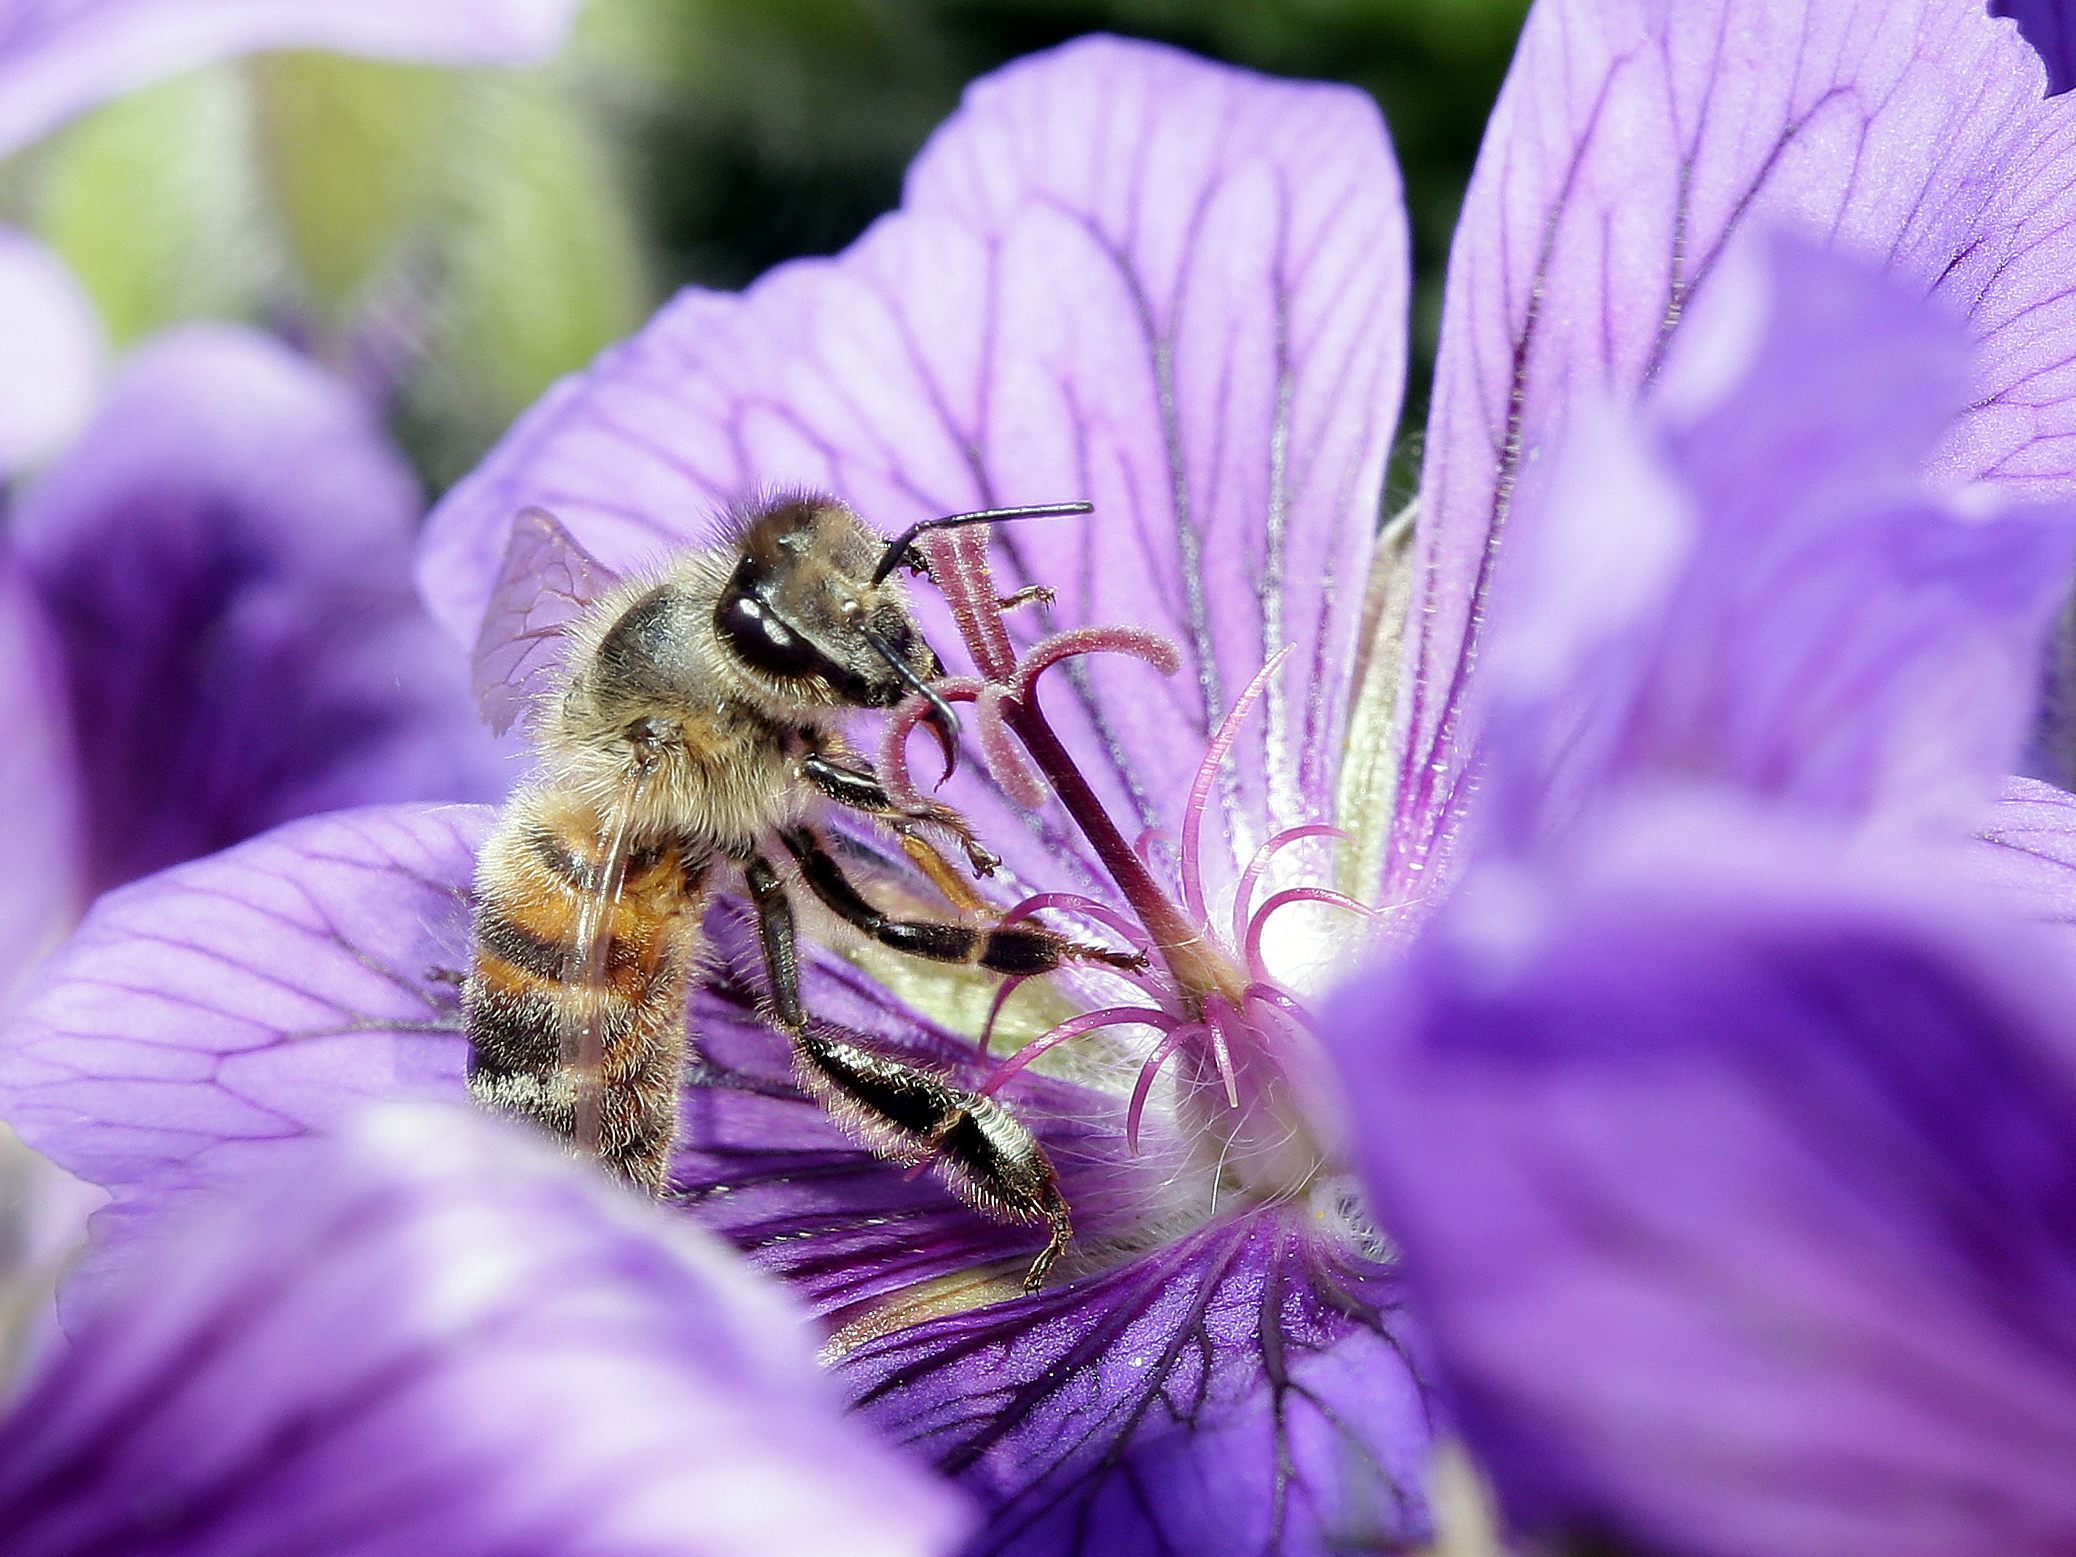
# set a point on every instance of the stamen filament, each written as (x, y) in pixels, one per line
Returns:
(1009, 987)
(1187, 1032)
(1216, 1012)
(1102, 913)
(1243, 895)
(1207, 773)
(1285, 899)
(1089, 1022)
(1281, 1001)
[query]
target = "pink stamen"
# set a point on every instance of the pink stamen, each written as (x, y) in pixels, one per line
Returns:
(1217, 1012)
(1009, 987)
(1004, 755)
(1156, 649)
(1285, 899)
(1093, 1021)
(1280, 1001)
(1200, 790)
(1176, 1038)
(1243, 897)
(894, 776)
(959, 567)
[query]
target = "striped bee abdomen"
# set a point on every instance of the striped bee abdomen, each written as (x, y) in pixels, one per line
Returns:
(542, 1016)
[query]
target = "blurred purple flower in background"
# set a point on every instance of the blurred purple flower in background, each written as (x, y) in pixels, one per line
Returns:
(1724, 1076)
(1786, 600)
(212, 588)
(2049, 28)
(534, 1363)
(205, 599)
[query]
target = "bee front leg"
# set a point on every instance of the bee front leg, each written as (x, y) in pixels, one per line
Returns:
(988, 1157)
(853, 785)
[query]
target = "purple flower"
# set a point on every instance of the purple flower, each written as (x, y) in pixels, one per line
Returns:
(1177, 291)
(213, 627)
(1723, 1112)
(535, 1363)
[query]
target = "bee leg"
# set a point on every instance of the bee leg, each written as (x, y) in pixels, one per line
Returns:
(775, 933)
(986, 1155)
(1030, 594)
(857, 787)
(989, 1158)
(1017, 948)
(939, 871)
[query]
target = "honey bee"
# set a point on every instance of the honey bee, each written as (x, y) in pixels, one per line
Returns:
(689, 730)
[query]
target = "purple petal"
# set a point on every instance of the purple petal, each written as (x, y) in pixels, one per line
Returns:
(432, 1336)
(1751, 589)
(1120, 274)
(2048, 27)
(59, 58)
(1735, 1181)
(1629, 145)
(54, 345)
(226, 555)
(2029, 852)
(203, 1018)
(1240, 1392)
(39, 786)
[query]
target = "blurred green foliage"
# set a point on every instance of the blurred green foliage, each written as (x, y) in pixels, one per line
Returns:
(458, 240)
(340, 147)
(152, 203)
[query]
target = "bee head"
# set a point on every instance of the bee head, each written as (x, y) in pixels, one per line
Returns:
(805, 620)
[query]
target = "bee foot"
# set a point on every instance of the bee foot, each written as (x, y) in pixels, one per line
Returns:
(1082, 951)
(1030, 594)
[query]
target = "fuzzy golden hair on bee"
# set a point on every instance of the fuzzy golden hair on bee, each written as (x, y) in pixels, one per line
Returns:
(689, 725)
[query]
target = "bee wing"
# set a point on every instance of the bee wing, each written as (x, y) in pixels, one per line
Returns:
(547, 581)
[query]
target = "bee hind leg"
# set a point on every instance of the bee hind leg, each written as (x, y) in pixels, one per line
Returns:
(902, 1112)
(985, 1154)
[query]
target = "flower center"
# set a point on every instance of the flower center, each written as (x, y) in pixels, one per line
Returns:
(1239, 1049)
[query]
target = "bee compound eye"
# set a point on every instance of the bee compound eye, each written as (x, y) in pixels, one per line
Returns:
(763, 642)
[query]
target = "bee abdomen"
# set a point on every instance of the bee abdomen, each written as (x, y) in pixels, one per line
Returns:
(530, 1010)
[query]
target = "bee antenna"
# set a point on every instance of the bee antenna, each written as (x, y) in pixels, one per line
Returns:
(943, 722)
(897, 548)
